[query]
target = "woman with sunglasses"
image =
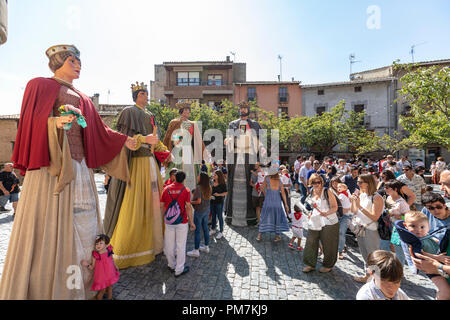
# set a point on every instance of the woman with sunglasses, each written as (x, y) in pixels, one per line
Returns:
(328, 235)
(368, 206)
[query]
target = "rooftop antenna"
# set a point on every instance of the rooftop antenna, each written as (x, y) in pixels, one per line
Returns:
(234, 55)
(281, 74)
(351, 57)
(412, 51)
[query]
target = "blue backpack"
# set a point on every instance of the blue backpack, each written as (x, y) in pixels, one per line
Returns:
(172, 215)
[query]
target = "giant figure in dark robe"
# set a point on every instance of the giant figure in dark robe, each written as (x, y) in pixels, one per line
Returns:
(246, 147)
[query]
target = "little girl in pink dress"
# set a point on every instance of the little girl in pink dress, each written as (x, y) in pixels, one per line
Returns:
(106, 272)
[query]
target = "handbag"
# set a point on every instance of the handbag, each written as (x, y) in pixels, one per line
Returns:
(385, 226)
(356, 227)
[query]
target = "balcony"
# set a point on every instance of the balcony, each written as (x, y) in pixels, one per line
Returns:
(195, 88)
(183, 82)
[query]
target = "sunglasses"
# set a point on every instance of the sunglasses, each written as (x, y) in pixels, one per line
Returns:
(405, 170)
(439, 207)
(316, 182)
(359, 182)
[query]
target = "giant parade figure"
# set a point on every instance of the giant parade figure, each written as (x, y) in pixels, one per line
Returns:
(60, 139)
(243, 148)
(184, 139)
(133, 218)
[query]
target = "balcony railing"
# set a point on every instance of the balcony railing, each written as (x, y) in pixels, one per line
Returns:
(197, 82)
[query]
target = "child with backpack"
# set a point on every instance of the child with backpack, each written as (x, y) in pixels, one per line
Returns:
(175, 204)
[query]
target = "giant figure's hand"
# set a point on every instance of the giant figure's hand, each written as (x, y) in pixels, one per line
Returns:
(62, 120)
(151, 139)
(131, 143)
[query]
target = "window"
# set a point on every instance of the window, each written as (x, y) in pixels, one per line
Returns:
(358, 89)
(358, 107)
(283, 112)
(188, 78)
(214, 79)
(282, 94)
(251, 94)
(320, 110)
(320, 92)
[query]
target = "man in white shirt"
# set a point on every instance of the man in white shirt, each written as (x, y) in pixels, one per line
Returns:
(342, 168)
(415, 183)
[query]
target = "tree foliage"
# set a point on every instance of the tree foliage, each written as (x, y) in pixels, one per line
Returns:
(427, 91)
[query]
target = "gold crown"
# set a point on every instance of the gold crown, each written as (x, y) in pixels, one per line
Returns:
(183, 104)
(62, 48)
(137, 87)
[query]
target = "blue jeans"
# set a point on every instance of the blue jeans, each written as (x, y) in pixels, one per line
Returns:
(217, 213)
(12, 197)
(201, 224)
(342, 231)
(385, 245)
(304, 193)
(400, 254)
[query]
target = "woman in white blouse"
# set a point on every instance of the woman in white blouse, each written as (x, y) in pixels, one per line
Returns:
(368, 206)
(323, 226)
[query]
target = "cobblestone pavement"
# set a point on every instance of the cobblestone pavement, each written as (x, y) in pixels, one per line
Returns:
(239, 267)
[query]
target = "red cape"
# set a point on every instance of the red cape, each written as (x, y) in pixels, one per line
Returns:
(101, 144)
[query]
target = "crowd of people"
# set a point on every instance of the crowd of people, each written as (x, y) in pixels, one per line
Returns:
(386, 205)
(335, 199)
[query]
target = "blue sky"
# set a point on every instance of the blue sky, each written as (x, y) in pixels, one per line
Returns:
(120, 41)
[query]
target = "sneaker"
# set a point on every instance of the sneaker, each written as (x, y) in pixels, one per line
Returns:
(291, 245)
(299, 249)
(204, 249)
(212, 231)
(170, 269)
(186, 269)
(219, 235)
(3, 209)
(194, 253)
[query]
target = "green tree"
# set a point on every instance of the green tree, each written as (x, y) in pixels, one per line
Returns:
(427, 91)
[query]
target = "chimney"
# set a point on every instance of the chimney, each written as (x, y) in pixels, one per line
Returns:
(95, 99)
(228, 58)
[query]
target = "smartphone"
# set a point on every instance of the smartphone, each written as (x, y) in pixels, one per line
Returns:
(356, 193)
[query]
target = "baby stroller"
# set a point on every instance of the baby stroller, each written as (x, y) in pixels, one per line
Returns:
(415, 244)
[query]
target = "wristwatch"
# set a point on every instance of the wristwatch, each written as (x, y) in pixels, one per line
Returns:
(441, 271)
